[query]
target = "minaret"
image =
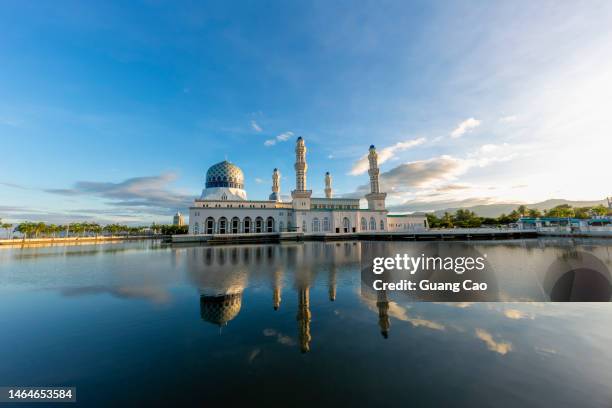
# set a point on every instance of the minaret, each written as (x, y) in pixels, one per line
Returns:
(303, 318)
(376, 199)
(301, 167)
(328, 187)
(373, 171)
(275, 196)
(301, 196)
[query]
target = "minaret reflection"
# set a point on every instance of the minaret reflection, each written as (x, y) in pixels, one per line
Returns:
(382, 304)
(278, 288)
(332, 283)
(303, 318)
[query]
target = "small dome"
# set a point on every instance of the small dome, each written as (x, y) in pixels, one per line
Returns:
(224, 174)
(372, 147)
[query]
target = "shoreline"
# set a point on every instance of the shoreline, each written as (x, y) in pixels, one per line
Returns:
(32, 242)
(467, 234)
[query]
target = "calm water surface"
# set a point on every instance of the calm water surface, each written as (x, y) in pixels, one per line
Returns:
(291, 324)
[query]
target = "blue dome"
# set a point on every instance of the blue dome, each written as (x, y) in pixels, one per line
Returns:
(224, 174)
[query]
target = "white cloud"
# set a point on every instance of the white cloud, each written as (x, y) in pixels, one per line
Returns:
(464, 127)
(258, 180)
(255, 126)
(283, 137)
(500, 347)
(361, 165)
(508, 119)
(516, 314)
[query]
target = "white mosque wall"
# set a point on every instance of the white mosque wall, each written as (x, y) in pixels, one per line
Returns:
(407, 223)
(204, 220)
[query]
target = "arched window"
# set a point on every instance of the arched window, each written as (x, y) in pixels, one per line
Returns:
(222, 225)
(289, 226)
(258, 224)
(315, 225)
(210, 225)
(326, 226)
(196, 228)
(235, 225)
(224, 197)
(346, 224)
(270, 224)
(372, 224)
(281, 225)
(304, 226)
(382, 225)
(247, 225)
(364, 224)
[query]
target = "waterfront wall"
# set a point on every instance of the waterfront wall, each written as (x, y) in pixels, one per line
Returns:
(70, 240)
(428, 235)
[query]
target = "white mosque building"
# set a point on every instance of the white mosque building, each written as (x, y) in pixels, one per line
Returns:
(223, 207)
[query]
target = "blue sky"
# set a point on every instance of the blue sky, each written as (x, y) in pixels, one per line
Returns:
(113, 111)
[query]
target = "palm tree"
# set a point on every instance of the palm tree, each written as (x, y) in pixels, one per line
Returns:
(7, 227)
(534, 213)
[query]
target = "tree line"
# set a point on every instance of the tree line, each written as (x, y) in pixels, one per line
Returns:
(88, 229)
(463, 218)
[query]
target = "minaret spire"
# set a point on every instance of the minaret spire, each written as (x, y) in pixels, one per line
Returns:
(328, 187)
(373, 171)
(301, 167)
(275, 196)
(301, 196)
(376, 199)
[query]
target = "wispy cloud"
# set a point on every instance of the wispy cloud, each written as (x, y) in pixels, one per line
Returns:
(516, 314)
(151, 293)
(256, 126)
(508, 119)
(153, 192)
(280, 337)
(361, 165)
(466, 126)
(283, 137)
(10, 122)
(423, 173)
(439, 182)
(500, 347)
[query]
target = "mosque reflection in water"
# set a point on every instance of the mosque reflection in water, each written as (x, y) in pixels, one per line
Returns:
(222, 274)
(554, 272)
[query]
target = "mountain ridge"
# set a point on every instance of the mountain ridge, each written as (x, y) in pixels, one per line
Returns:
(495, 210)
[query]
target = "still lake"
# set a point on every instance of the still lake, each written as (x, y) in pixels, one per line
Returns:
(142, 323)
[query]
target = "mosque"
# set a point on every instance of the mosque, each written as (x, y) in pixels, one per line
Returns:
(223, 207)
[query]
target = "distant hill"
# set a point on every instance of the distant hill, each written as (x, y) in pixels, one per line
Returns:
(495, 210)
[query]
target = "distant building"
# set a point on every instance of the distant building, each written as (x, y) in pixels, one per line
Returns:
(609, 202)
(530, 223)
(178, 219)
(407, 222)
